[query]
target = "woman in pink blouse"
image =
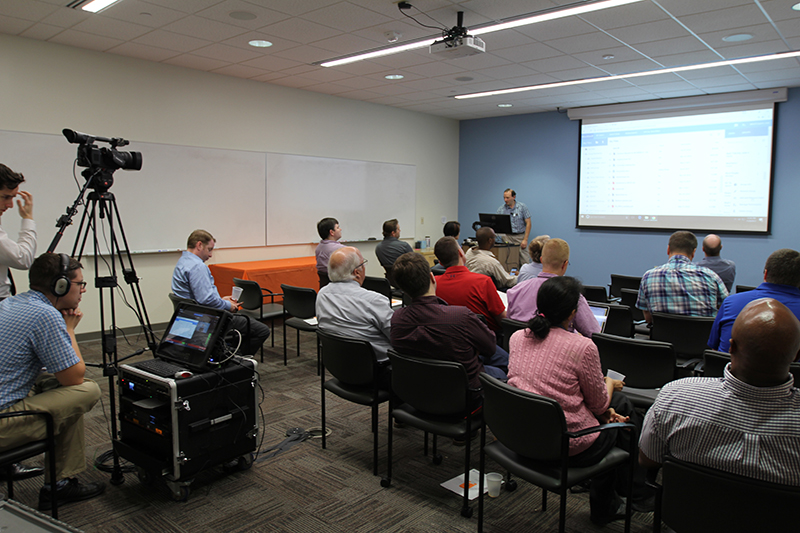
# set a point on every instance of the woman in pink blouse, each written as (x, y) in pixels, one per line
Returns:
(547, 359)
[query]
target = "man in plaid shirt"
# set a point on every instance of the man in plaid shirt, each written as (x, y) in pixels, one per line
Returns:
(680, 287)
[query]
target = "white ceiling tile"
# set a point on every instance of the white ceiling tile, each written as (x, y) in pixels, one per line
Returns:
(85, 40)
(211, 30)
(346, 17)
(186, 6)
(554, 64)
(303, 54)
(172, 41)
(108, 27)
(142, 51)
(195, 62)
(651, 31)
(139, 12)
(680, 8)
(731, 17)
(243, 40)
(295, 7)
(228, 54)
(37, 31)
(628, 67)
(721, 81)
(591, 41)
(630, 15)
(438, 68)
(749, 49)
(271, 63)
(66, 17)
(239, 71)
(527, 52)
(15, 26)
(557, 29)
(300, 30)
(789, 28)
(783, 74)
(221, 12)
(344, 44)
(690, 58)
(30, 10)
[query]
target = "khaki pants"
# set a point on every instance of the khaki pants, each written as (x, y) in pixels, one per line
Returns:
(67, 405)
(517, 239)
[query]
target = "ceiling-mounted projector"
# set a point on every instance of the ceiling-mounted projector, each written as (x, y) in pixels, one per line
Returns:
(456, 43)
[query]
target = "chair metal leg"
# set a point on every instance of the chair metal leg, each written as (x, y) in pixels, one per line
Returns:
(375, 439)
(284, 340)
(322, 404)
(481, 474)
(562, 512)
(466, 511)
(298, 342)
(387, 481)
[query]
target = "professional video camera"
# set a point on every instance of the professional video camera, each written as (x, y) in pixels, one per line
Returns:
(102, 162)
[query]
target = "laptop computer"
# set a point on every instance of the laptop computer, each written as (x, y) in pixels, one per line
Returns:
(193, 340)
(601, 314)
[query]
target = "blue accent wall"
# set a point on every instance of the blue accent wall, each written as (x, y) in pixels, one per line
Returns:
(537, 156)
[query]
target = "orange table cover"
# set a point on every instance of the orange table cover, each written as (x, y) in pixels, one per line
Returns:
(269, 274)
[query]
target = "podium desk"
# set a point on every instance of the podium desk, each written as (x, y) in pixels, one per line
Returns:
(269, 274)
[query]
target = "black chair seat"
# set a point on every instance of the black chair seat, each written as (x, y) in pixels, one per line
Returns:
(26, 451)
(547, 475)
(446, 426)
(352, 393)
(301, 324)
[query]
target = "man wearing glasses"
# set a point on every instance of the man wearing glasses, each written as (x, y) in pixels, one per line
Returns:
(37, 330)
(345, 308)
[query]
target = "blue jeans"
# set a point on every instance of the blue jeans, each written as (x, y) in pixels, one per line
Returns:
(496, 365)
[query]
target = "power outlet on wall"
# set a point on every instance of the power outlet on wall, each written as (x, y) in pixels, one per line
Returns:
(421, 220)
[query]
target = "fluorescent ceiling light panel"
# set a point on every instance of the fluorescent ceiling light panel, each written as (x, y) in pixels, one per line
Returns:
(730, 62)
(556, 13)
(97, 5)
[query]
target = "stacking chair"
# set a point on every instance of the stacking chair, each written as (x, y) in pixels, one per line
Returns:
(379, 285)
(253, 304)
(744, 288)
(619, 321)
(299, 303)
(628, 297)
(433, 396)
(695, 499)
(32, 449)
(688, 334)
(618, 282)
(510, 327)
(532, 442)
(177, 301)
(647, 365)
(356, 377)
(714, 363)
(595, 293)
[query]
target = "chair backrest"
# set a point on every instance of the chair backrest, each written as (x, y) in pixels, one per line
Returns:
(510, 327)
(619, 321)
(744, 288)
(595, 293)
(628, 297)
(618, 281)
(379, 285)
(351, 361)
(430, 385)
(531, 425)
(177, 301)
(714, 363)
(645, 364)
(252, 298)
(688, 334)
(299, 302)
(698, 498)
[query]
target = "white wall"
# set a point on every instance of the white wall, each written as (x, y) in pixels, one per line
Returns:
(46, 87)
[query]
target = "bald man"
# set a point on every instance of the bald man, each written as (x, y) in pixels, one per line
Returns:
(747, 422)
(480, 259)
(522, 298)
(725, 268)
(345, 308)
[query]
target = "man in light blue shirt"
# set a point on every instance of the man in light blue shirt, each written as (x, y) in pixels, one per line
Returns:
(192, 279)
(520, 223)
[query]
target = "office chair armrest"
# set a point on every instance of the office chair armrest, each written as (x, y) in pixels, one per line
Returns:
(698, 369)
(614, 299)
(48, 419)
(690, 364)
(601, 427)
(382, 363)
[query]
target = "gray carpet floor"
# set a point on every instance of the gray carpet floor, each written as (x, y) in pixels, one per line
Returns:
(306, 488)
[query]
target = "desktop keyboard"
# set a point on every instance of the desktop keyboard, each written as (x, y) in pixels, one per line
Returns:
(158, 367)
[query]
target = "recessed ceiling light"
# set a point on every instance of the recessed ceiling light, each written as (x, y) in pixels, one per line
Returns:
(608, 56)
(97, 5)
(796, 7)
(242, 15)
(739, 37)
(464, 78)
(260, 43)
(394, 76)
(504, 105)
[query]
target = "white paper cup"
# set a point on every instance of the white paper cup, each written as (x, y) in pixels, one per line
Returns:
(236, 293)
(493, 482)
(613, 374)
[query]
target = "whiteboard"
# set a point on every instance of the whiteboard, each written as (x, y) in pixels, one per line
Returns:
(243, 198)
(361, 195)
(178, 190)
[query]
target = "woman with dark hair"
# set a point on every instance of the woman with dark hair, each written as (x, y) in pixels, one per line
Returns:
(547, 359)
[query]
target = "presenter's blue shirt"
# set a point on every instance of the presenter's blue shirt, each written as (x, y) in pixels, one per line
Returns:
(519, 214)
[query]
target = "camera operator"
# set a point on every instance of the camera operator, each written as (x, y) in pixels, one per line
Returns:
(17, 254)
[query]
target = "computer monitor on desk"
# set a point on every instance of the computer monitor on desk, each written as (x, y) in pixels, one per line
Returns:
(499, 223)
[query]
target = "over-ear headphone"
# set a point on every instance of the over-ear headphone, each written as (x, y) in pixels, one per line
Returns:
(61, 283)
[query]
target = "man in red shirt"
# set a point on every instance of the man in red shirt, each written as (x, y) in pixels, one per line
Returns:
(459, 286)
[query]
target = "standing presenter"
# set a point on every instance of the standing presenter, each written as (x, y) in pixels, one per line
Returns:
(520, 223)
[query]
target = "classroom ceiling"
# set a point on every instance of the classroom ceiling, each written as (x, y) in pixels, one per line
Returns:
(213, 35)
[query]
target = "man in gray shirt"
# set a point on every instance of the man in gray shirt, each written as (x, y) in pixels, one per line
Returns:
(345, 308)
(725, 268)
(391, 247)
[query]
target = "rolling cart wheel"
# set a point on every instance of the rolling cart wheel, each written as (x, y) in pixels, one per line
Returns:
(145, 477)
(437, 459)
(466, 512)
(181, 494)
(511, 485)
(386, 482)
(246, 461)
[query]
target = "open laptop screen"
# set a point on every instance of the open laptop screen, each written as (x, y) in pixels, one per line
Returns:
(601, 314)
(192, 335)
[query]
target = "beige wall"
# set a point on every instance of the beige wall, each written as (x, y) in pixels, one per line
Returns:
(46, 87)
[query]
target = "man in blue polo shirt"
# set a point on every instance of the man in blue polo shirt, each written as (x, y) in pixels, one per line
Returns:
(520, 223)
(781, 282)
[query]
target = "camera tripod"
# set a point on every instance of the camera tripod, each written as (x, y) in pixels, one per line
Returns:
(101, 204)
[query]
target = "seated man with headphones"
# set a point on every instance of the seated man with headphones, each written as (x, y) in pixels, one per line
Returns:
(37, 330)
